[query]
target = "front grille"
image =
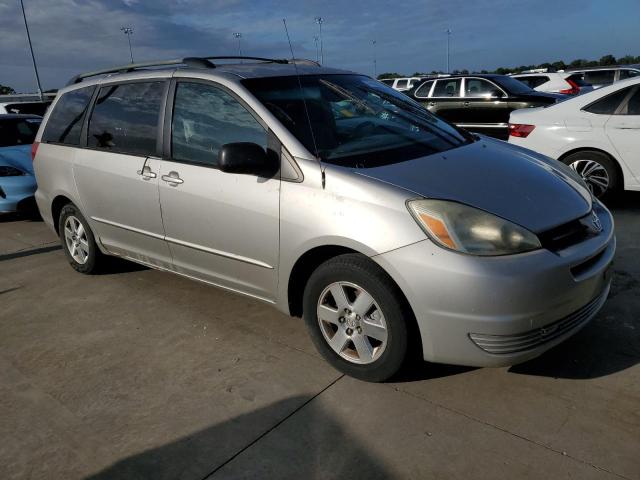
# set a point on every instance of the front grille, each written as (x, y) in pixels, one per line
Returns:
(567, 234)
(507, 344)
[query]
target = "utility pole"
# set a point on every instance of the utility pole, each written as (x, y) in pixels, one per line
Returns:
(374, 60)
(238, 36)
(128, 31)
(316, 39)
(320, 21)
(33, 58)
(448, 31)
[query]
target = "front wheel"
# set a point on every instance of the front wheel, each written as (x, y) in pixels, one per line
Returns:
(357, 317)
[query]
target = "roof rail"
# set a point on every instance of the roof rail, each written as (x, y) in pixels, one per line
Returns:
(193, 62)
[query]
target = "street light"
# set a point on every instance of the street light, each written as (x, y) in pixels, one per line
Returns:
(33, 58)
(319, 21)
(238, 36)
(448, 32)
(316, 39)
(128, 31)
(374, 59)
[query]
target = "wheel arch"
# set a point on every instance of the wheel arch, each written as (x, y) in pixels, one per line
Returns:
(615, 161)
(56, 208)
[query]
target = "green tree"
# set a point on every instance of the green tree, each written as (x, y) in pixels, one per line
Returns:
(389, 75)
(627, 60)
(608, 60)
(5, 90)
(580, 62)
(559, 65)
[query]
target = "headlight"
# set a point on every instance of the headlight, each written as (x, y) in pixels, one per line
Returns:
(470, 230)
(6, 171)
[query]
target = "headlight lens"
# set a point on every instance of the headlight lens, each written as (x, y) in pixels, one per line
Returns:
(470, 230)
(7, 171)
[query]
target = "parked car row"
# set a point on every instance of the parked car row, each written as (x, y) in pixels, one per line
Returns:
(335, 198)
(555, 82)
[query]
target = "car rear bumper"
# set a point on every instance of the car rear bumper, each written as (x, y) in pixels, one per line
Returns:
(498, 311)
(15, 192)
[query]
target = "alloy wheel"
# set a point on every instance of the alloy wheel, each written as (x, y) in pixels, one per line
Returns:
(594, 175)
(352, 322)
(76, 239)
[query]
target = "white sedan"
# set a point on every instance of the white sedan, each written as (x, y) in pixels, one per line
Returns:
(597, 134)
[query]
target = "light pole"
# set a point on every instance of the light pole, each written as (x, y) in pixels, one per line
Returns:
(238, 36)
(128, 31)
(448, 31)
(374, 59)
(316, 39)
(33, 58)
(320, 21)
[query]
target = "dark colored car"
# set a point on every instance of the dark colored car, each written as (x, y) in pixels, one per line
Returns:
(479, 103)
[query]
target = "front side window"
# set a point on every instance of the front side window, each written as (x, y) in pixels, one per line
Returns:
(609, 104)
(65, 122)
(354, 121)
(125, 118)
(204, 119)
(447, 88)
(424, 89)
(479, 88)
(18, 131)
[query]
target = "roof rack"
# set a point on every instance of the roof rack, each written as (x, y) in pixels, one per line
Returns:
(193, 62)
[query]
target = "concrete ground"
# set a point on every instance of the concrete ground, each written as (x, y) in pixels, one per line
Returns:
(142, 374)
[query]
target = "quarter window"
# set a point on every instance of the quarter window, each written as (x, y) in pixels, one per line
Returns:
(424, 89)
(609, 104)
(628, 74)
(447, 88)
(125, 118)
(204, 119)
(65, 122)
(633, 105)
(477, 87)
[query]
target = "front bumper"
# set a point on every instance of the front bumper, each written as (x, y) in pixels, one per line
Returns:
(498, 311)
(15, 191)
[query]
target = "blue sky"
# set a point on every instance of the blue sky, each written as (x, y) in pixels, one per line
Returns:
(71, 36)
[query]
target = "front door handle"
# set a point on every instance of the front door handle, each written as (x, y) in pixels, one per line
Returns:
(146, 173)
(432, 104)
(627, 126)
(466, 104)
(172, 179)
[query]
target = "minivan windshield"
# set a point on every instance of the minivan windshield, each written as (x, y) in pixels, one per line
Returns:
(353, 120)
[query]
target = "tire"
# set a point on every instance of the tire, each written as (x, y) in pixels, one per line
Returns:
(595, 166)
(386, 320)
(81, 238)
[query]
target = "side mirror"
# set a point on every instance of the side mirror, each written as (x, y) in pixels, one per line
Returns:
(247, 159)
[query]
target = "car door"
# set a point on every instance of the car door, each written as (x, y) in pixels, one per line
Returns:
(623, 129)
(222, 228)
(445, 100)
(486, 107)
(117, 172)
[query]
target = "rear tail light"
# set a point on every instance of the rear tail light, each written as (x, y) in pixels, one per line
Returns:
(574, 90)
(34, 150)
(520, 130)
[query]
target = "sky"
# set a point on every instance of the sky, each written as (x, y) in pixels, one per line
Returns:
(73, 36)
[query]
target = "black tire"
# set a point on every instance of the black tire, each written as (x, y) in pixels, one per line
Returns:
(95, 258)
(606, 162)
(359, 270)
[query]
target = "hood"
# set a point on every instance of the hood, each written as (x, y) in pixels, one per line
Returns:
(531, 190)
(18, 156)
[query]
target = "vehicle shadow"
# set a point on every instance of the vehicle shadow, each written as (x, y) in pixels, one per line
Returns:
(312, 444)
(115, 265)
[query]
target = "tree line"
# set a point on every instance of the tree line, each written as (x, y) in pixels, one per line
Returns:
(604, 61)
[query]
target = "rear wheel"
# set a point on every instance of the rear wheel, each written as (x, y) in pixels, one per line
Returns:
(597, 169)
(78, 242)
(357, 318)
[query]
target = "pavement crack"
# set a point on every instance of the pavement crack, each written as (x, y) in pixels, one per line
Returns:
(272, 428)
(508, 432)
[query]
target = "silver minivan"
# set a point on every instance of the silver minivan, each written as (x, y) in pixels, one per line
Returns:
(332, 197)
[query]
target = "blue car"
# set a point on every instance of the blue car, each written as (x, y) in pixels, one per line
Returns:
(17, 180)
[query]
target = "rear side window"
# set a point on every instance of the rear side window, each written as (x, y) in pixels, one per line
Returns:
(477, 87)
(609, 104)
(599, 77)
(447, 88)
(628, 74)
(125, 118)
(633, 105)
(424, 89)
(204, 119)
(65, 122)
(18, 131)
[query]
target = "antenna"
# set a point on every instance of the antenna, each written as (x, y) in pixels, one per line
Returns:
(304, 102)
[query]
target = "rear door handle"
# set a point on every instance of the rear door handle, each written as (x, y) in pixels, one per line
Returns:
(432, 104)
(172, 179)
(146, 173)
(466, 104)
(624, 126)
